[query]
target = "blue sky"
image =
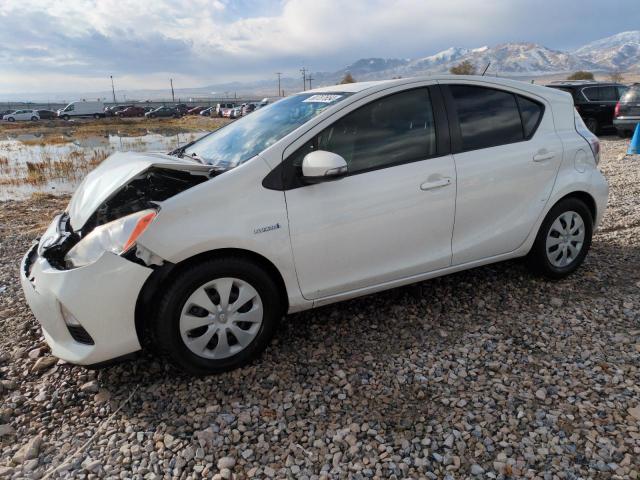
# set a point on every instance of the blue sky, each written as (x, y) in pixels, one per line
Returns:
(52, 45)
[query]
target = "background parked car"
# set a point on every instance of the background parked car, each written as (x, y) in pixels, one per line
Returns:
(182, 108)
(6, 112)
(22, 115)
(113, 109)
(47, 114)
(594, 101)
(248, 108)
(235, 112)
(223, 107)
(195, 110)
(82, 109)
(164, 111)
(131, 112)
(627, 111)
(207, 112)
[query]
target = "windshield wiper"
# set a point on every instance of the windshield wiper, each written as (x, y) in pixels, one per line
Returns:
(178, 152)
(195, 157)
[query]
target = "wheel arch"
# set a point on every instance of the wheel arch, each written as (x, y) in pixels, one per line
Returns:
(162, 275)
(586, 198)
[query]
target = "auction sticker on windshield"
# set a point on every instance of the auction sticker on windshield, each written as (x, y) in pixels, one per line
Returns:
(322, 98)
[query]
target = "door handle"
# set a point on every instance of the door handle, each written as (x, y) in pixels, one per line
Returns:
(541, 157)
(432, 185)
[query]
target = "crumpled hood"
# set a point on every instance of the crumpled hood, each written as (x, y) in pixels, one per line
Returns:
(116, 171)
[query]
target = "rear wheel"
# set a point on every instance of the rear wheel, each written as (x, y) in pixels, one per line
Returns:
(217, 316)
(34, 119)
(563, 240)
(592, 125)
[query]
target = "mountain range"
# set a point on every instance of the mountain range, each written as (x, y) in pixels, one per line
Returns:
(617, 53)
(620, 52)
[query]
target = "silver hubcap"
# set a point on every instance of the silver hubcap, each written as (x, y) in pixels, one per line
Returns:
(221, 318)
(565, 239)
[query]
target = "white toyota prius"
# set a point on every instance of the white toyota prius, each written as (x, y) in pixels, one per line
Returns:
(319, 197)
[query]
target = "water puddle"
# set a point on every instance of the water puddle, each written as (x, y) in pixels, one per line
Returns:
(55, 164)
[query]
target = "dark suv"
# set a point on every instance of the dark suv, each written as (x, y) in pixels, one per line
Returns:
(595, 101)
(627, 113)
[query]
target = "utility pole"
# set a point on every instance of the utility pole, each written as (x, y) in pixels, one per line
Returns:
(113, 90)
(173, 97)
(279, 74)
(304, 78)
(310, 78)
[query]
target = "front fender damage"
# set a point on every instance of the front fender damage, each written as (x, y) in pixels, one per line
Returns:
(147, 190)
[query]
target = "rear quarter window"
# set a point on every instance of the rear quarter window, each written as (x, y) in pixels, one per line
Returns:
(531, 113)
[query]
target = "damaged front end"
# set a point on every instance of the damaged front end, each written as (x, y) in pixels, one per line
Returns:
(114, 205)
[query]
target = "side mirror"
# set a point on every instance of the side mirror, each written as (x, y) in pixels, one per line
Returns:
(323, 166)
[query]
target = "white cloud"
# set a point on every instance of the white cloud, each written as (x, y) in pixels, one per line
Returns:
(234, 39)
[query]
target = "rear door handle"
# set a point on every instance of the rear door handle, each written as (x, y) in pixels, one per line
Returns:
(432, 185)
(541, 157)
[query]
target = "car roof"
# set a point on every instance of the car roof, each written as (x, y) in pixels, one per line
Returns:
(489, 81)
(582, 83)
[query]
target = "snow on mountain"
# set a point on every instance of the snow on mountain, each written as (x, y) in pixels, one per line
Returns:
(526, 59)
(505, 59)
(617, 52)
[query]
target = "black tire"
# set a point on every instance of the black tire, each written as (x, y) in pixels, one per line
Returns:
(624, 133)
(11, 119)
(538, 260)
(34, 119)
(593, 125)
(165, 329)
(66, 117)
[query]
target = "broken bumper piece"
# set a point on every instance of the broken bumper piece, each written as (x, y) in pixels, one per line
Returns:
(87, 314)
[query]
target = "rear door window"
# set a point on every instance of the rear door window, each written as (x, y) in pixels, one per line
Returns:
(487, 117)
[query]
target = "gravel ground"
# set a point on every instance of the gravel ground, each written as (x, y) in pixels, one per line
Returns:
(490, 373)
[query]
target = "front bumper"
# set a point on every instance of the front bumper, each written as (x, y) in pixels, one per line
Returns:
(102, 296)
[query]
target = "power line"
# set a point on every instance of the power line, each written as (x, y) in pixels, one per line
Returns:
(279, 74)
(173, 97)
(310, 78)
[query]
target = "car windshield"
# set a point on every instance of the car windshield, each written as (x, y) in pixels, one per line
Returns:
(243, 139)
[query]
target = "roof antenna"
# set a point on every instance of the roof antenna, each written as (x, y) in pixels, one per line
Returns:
(485, 69)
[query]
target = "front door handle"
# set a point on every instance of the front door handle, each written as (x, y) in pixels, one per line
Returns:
(541, 157)
(432, 185)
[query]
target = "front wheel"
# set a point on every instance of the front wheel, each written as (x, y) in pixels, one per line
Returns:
(11, 119)
(216, 316)
(563, 240)
(34, 119)
(66, 117)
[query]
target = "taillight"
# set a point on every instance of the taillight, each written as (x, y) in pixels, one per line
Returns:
(588, 135)
(616, 112)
